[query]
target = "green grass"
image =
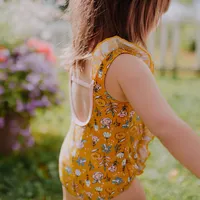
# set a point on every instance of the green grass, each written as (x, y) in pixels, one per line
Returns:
(34, 174)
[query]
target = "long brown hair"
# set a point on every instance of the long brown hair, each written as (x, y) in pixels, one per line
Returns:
(94, 20)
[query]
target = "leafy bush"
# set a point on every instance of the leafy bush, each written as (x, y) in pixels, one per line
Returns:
(28, 81)
(34, 173)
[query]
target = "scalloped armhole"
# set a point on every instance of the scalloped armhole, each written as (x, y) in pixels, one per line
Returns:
(104, 49)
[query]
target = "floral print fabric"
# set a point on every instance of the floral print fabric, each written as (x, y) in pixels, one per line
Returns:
(104, 156)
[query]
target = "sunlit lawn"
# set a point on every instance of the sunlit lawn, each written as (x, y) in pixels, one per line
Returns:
(34, 175)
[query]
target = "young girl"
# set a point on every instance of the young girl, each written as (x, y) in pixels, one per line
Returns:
(115, 102)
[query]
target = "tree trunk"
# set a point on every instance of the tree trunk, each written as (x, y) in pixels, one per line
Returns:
(10, 133)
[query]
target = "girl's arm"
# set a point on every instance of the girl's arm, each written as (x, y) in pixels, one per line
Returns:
(141, 90)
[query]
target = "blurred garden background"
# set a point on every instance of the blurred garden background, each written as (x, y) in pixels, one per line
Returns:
(33, 34)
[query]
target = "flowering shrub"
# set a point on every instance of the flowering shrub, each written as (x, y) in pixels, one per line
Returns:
(28, 81)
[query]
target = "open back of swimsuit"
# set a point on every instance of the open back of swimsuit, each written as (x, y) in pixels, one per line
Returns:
(108, 150)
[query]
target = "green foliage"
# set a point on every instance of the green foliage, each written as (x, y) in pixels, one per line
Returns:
(188, 37)
(186, 1)
(34, 175)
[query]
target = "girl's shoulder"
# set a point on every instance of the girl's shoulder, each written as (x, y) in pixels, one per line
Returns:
(110, 48)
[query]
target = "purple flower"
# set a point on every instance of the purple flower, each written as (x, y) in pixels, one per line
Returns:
(35, 93)
(28, 87)
(30, 142)
(30, 107)
(37, 103)
(35, 62)
(25, 132)
(52, 88)
(16, 146)
(45, 101)
(1, 90)
(12, 85)
(18, 67)
(33, 79)
(2, 122)
(49, 85)
(20, 107)
(3, 65)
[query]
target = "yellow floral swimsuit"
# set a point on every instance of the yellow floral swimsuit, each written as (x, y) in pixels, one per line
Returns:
(105, 154)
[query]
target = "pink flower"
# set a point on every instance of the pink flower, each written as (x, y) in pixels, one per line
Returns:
(123, 113)
(95, 139)
(42, 47)
(4, 54)
(106, 122)
(113, 168)
(97, 176)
